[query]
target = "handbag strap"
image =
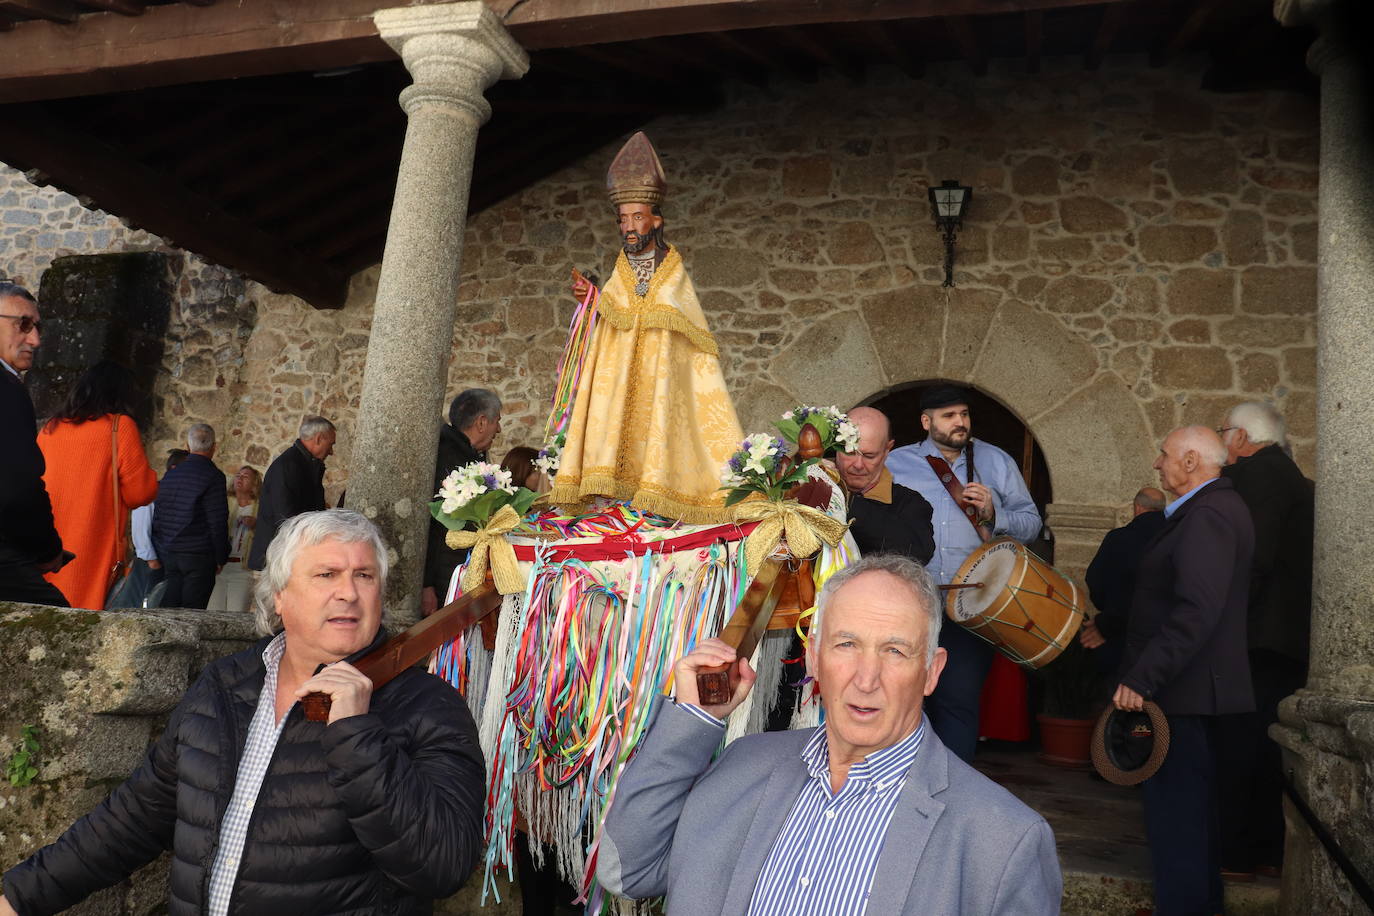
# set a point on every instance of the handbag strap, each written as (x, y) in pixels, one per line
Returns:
(951, 483)
(118, 503)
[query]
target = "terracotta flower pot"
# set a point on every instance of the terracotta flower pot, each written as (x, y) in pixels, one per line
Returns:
(1065, 742)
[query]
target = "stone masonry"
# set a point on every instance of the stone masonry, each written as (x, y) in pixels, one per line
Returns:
(1139, 253)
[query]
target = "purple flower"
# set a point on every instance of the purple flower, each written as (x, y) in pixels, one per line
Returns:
(490, 481)
(736, 463)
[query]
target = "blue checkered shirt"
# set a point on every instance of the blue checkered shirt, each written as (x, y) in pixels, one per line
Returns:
(263, 733)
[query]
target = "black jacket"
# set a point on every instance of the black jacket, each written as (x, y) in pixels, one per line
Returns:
(293, 484)
(1185, 646)
(901, 526)
(1280, 502)
(440, 559)
(1111, 574)
(370, 815)
(191, 514)
(26, 525)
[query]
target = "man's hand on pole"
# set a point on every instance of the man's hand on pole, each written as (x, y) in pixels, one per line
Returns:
(710, 653)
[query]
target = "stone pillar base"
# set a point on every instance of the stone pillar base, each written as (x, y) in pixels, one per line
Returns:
(1328, 747)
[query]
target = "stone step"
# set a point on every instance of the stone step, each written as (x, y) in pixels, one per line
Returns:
(1100, 831)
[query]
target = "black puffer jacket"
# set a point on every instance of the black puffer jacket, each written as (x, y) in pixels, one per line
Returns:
(374, 814)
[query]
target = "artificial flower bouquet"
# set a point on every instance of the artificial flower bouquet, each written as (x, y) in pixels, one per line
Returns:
(473, 493)
(833, 426)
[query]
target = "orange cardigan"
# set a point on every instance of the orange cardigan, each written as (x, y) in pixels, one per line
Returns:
(81, 486)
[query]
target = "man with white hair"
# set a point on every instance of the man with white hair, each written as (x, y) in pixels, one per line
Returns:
(868, 813)
(1277, 633)
(191, 523)
(1185, 650)
(294, 483)
(378, 810)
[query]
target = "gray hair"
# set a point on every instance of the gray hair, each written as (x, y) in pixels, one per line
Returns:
(471, 404)
(10, 288)
(200, 437)
(314, 426)
(1261, 422)
(910, 575)
(296, 534)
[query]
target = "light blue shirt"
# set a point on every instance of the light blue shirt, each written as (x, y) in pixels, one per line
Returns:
(141, 523)
(1174, 506)
(1016, 515)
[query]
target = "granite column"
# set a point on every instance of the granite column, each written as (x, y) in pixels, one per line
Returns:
(454, 53)
(1327, 728)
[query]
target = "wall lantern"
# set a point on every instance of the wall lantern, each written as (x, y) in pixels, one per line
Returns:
(947, 204)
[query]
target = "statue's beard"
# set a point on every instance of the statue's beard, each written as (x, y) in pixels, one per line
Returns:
(640, 243)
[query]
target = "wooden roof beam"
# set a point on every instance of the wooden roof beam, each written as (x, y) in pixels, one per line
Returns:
(1112, 19)
(900, 56)
(63, 11)
(122, 7)
(962, 31)
(1185, 34)
(818, 51)
(144, 196)
(765, 55)
(191, 42)
(1035, 39)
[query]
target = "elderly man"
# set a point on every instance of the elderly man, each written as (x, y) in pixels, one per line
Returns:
(975, 497)
(378, 810)
(1185, 650)
(191, 523)
(885, 516)
(29, 542)
(1277, 633)
(294, 483)
(474, 422)
(869, 813)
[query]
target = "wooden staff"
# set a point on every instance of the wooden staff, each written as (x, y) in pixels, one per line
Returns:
(777, 575)
(410, 646)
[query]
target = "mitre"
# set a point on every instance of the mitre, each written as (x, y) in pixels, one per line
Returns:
(636, 175)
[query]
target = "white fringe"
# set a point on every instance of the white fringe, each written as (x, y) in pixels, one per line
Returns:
(511, 625)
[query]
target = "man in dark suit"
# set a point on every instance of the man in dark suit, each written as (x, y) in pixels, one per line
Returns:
(1111, 579)
(191, 523)
(1185, 650)
(886, 516)
(474, 422)
(29, 543)
(294, 483)
(1280, 617)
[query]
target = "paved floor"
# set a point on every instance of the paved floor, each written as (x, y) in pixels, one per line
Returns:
(1101, 835)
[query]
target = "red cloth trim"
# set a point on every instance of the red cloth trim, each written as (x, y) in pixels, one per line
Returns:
(633, 544)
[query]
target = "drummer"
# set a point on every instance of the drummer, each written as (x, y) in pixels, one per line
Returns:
(967, 513)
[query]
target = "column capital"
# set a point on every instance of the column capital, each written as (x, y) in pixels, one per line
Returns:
(1333, 20)
(454, 52)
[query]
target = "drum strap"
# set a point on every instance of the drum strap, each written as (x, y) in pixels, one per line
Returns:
(945, 474)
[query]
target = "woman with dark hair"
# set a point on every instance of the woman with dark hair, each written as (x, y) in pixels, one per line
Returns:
(520, 462)
(96, 472)
(234, 584)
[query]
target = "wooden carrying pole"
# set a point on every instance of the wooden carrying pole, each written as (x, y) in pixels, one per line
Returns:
(409, 647)
(779, 576)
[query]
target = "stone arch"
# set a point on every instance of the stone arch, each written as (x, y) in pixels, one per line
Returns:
(1092, 429)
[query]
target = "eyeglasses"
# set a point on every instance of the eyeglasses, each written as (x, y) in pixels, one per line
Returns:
(27, 323)
(1223, 430)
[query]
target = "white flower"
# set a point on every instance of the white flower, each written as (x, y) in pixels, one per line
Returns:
(788, 415)
(847, 435)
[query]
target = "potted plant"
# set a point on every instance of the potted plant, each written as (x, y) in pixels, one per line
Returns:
(1071, 699)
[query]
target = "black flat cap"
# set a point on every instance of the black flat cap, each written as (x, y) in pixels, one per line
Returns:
(943, 396)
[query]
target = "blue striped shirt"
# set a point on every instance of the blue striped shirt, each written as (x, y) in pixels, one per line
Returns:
(824, 859)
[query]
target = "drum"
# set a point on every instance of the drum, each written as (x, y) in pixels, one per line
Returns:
(1025, 607)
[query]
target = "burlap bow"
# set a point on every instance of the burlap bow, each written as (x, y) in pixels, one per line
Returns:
(804, 527)
(489, 545)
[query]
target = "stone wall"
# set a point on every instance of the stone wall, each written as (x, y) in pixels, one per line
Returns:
(1139, 253)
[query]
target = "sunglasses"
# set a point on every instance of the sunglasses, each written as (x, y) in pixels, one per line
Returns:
(27, 323)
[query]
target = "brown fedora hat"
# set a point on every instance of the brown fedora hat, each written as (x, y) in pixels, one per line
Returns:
(1128, 747)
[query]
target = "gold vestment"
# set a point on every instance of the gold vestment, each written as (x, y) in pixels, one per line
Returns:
(652, 420)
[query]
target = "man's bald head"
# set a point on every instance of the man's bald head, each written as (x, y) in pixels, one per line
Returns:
(862, 467)
(1190, 455)
(1148, 499)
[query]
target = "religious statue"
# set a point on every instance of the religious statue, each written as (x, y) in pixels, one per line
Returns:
(652, 421)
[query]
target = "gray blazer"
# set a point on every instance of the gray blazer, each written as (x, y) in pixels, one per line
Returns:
(700, 832)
